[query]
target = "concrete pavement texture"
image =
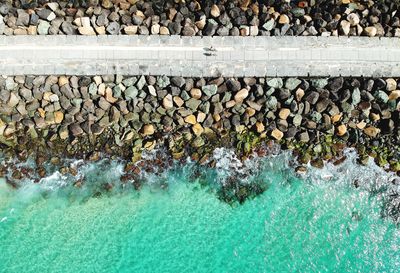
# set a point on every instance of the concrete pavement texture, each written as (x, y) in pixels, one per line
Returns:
(192, 57)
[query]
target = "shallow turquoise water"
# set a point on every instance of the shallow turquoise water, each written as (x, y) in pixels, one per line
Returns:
(317, 224)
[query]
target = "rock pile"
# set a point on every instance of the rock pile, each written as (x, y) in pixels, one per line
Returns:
(140, 111)
(189, 18)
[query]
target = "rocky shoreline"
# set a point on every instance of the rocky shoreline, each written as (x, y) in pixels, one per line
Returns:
(87, 117)
(201, 18)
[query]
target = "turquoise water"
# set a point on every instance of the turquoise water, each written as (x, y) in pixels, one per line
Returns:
(319, 223)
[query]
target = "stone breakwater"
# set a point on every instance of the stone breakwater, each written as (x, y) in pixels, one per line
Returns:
(124, 116)
(189, 18)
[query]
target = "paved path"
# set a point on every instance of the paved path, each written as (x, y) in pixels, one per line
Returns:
(188, 56)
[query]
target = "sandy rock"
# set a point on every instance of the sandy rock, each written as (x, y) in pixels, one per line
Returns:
(370, 31)
(131, 30)
(391, 84)
(168, 102)
(394, 95)
(241, 95)
(353, 18)
(345, 27)
(284, 113)
(277, 134)
(58, 117)
(372, 131)
(197, 129)
(62, 80)
(260, 127)
(86, 31)
(341, 130)
(284, 19)
(148, 130)
(191, 119)
(215, 12)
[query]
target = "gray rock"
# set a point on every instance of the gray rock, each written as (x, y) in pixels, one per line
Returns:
(75, 129)
(131, 93)
(141, 83)
(233, 85)
(178, 81)
(163, 81)
(297, 120)
(319, 83)
(298, 12)
(205, 107)
(192, 104)
(10, 84)
(269, 25)
(312, 97)
(322, 105)
(381, 96)
(188, 31)
(210, 27)
(356, 96)
(113, 28)
(67, 28)
(272, 103)
(34, 20)
(103, 104)
(292, 83)
(46, 14)
(218, 108)
(304, 137)
(275, 83)
(152, 90)
(32, 106)
(210, 90)
(43, 27)
(93, 89)
(223, 31)
(102, 20)
(137, 20)
(129, 81)
(23, 18)
(26, 94)
(4, 9)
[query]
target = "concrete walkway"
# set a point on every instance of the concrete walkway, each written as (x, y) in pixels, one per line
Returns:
(189, 56)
